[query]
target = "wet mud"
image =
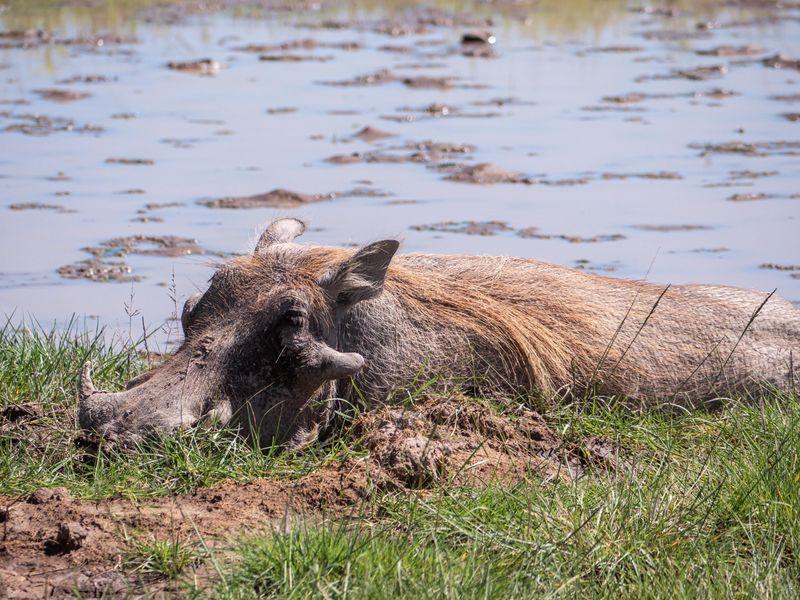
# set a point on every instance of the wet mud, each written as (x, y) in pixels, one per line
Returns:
(107, 265)
(203, 66)
(490, 228)
(277, 198)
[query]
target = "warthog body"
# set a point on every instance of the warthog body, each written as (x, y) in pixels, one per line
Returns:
(284, 335)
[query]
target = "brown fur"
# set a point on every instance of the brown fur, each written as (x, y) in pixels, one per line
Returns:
(292, 329)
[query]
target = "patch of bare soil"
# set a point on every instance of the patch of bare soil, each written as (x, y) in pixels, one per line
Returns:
(53, 544)
(277, 198)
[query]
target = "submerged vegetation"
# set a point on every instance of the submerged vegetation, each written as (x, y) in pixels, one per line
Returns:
(692, 504)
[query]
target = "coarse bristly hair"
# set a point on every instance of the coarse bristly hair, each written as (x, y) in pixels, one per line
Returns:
(541, 327)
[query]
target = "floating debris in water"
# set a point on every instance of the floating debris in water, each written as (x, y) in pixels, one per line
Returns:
(277, 198)
(203, 66)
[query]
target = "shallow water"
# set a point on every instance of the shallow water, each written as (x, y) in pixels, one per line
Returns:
(218, 136)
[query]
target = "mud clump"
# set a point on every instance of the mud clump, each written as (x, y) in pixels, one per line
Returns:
(281, 110)
(783, 148)
(61, 95)
(434, 154)
(781, 61)
(478, 44)
(372, 134)
(19, 412)
(748, 174)
(376, 78)
(646, 175)
(96, 270)
(277, 198)
(204, 66)
(438, 110)
(794, 117)
(749, 197)
(47, 495)
(70, 537)
(777, 267)
(130, 161)
(534, 233)
(615, 49)
(461, 438)
(19, 206)
(42, 125)
(429, 83)
(293, 58)
(105, 264)
(671, 228)
(488, 174)
(727, 50)
(482, 228)
(146, 245)
(696, 74)
(86, 79)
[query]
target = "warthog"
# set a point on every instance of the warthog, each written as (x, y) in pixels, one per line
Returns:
(285, 337)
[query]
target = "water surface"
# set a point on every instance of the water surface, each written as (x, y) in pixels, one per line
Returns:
(595, 105)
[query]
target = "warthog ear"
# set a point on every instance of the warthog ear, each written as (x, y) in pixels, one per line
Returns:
(280, 232)
(188, 309)
(361, 277)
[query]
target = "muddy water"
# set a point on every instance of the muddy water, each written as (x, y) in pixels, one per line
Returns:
(138, 145)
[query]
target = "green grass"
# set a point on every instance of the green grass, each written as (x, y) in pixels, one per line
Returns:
(40, 368)
(699, 505)
(166, 558)
(704, 506)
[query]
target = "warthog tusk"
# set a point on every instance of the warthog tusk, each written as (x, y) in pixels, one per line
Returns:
(86, 386)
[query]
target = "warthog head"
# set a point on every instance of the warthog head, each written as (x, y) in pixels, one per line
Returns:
(260, 345)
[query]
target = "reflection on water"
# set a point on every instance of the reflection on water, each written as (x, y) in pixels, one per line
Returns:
(598, 135)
